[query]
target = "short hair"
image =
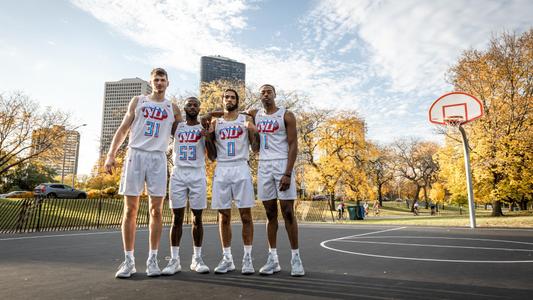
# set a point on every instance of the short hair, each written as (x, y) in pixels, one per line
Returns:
(266, 84)
(159, 71)
(232, 90)
(192, 98)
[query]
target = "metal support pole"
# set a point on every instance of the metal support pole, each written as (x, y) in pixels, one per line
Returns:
(468, 179)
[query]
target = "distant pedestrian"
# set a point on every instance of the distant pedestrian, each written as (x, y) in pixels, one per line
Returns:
(415, 208)
(340, 210)
(376, 208)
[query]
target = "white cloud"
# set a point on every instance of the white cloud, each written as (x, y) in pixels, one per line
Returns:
(387, 59)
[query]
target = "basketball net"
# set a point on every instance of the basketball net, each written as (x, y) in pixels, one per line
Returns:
(453, 123)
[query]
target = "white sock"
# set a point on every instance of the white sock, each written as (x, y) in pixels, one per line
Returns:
(248, 249)
(227, 252)
(174, 252)
(197, 251)
(295, 252)
(130, 255)
(152, 252)
(274, 253)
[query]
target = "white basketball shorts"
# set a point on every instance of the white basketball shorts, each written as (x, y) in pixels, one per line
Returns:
(269, 175)
(232, 181)
(142, 167)
(188, 183)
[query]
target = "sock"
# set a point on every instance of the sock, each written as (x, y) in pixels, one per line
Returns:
(248, 249)
(174, 252)
(274, 253)
(152, 252)
(295, 252)
(227, 252)
(130, 255)
(197, 251)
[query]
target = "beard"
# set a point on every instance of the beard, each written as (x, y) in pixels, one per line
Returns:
(231, 107)
(192, 115)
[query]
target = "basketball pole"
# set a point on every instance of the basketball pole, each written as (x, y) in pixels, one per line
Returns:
(468, 178)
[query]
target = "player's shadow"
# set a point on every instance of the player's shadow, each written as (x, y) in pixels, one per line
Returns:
(349, 287)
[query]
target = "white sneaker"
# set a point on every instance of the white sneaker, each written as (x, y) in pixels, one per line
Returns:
(225, 265)
(247, 266)
(272, 266)
(198, 265)
(172, 268)
(152, 268)
(297, 268)
(126, 269)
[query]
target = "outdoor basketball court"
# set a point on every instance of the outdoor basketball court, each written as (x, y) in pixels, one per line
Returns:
(341, 261)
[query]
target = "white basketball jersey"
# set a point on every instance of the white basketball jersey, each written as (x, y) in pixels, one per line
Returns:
(152, 126)
(189, 146)
(271, 128)
(232, 139)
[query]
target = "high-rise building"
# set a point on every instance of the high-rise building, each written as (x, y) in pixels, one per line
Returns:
(62, 155)
(117, 96)
(217, 67)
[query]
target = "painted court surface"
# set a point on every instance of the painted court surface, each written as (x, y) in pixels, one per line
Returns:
(341, 261)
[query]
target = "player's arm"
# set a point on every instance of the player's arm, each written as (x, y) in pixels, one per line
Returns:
(210, 141)
(253, 134)
(177, 118)
(120, 135)
(251, 113)
(292, 139)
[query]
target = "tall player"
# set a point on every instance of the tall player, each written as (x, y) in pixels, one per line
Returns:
(188, 181)
(149, 120)
(229, 142)
(277, 155)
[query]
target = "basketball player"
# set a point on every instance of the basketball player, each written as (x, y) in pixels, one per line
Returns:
(275, 180)
(228, 142)
(188, 181)
(149, 119)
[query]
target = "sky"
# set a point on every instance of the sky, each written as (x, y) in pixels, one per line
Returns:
(387, 60)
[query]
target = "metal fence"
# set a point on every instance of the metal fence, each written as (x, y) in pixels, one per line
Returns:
(33, 215)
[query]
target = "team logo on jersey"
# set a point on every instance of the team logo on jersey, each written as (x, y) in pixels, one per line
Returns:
(154, 112)
(189, 136)
(229, 133)
(267, 126)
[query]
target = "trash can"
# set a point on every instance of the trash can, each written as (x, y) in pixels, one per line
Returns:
(356, 212)
(361, 212)
(352, 212)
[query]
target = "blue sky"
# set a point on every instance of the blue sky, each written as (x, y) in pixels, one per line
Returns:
(385, 59)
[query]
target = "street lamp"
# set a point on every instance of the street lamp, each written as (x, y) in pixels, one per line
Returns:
(65, 156)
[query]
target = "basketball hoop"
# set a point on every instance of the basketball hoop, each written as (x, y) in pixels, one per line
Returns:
(453, 110)
(453, 122)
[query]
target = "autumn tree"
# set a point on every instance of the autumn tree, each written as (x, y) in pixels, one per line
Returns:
(502, 141)
(415, 161)
(380, 168)
(27, 131)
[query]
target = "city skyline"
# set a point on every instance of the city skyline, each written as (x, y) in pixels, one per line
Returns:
(385, 59)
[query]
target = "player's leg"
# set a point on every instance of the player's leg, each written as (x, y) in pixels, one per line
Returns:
(156, 183)
(244, 196)
(176, 231)
(177, 202)
(286, 200)
(155, 204)
(224, 228)
(131, 186)
(198, 201)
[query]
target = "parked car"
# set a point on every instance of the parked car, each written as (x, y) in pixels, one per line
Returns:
(319, 197)
(13, 194)
(58, 190)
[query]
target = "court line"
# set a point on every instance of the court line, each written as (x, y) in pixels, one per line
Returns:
(435, 246)
(447, 238)
(323, 245)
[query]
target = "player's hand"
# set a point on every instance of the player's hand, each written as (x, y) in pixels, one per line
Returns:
(110, 164)
(205, 120)
(250, 124)
(284, 183)
(204, 132)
